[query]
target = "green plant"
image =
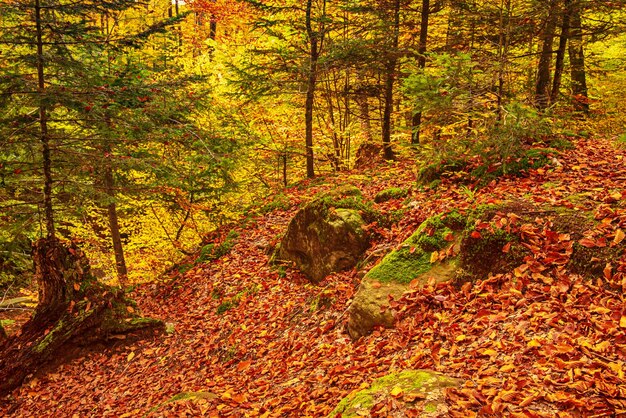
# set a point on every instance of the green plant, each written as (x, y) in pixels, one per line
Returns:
(227, 305)
(212, 252)
(279, 202)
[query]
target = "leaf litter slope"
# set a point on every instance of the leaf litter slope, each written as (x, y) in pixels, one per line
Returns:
(537, 341)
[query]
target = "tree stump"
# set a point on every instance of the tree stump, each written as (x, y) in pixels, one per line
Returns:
(74, 308)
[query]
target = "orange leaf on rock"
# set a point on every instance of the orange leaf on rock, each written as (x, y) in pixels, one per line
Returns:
(476, 235)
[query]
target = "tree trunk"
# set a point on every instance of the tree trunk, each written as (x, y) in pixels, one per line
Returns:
(421, 64)
(503, 51)
(73, 308)
(118, 248)
(560, 53)
(390, 76)
(310, 91)
(577, 60)
(542, 86)
(43, 127)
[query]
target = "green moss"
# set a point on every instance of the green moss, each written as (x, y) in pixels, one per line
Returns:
(6, 322)
(434, 185)
(212, 252)
(455, 220)
(350, 217)
(590, 262)
(183, 396)
(227, 305)
(432, 172)
(430, 408)
(562, 144)
(412, 259)
(279, 202)
(360, 402)
(482, 256)
(184, 268)
(391, 193)
(401, 266)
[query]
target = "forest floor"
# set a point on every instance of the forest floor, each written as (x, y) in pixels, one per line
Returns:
(244, 340)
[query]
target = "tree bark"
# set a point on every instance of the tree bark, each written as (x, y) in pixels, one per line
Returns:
(577, 60)
(542, 86)
(390, 76)
(560, 53)
(73, 308)
(416, 122)
(43, 126)
(114, 227)
(310, 92)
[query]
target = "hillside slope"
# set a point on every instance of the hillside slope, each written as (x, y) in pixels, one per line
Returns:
(245, 340)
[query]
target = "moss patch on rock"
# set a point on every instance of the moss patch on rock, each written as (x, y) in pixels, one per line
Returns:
(444, 248)
(418, 391)
(413, 258)
(391, 193)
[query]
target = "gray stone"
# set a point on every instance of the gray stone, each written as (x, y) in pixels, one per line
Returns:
(322, 239)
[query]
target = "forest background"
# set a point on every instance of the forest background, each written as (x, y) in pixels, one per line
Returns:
(136, 128)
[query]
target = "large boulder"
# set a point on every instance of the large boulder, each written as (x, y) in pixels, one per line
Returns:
(443, 248)
(326, 235)
(415, 393)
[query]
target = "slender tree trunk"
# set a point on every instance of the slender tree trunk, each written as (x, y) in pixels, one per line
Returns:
(503, 51)
(310, 92)
(390, 76)
(364, 117)
(421, 64)
(577, 60)
(118, 248)
(43, 127)
(560, 53)
(542, 86)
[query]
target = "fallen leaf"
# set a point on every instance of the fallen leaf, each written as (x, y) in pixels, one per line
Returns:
(396, 392)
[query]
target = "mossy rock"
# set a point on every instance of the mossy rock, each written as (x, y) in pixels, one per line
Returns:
(391, 193)
(326, 235)
(443, 248)
(418, 392)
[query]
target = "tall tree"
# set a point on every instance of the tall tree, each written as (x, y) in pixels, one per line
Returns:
(391, 63)
(282, 64)
(416, 121)
(577, 59)
(542, 86)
